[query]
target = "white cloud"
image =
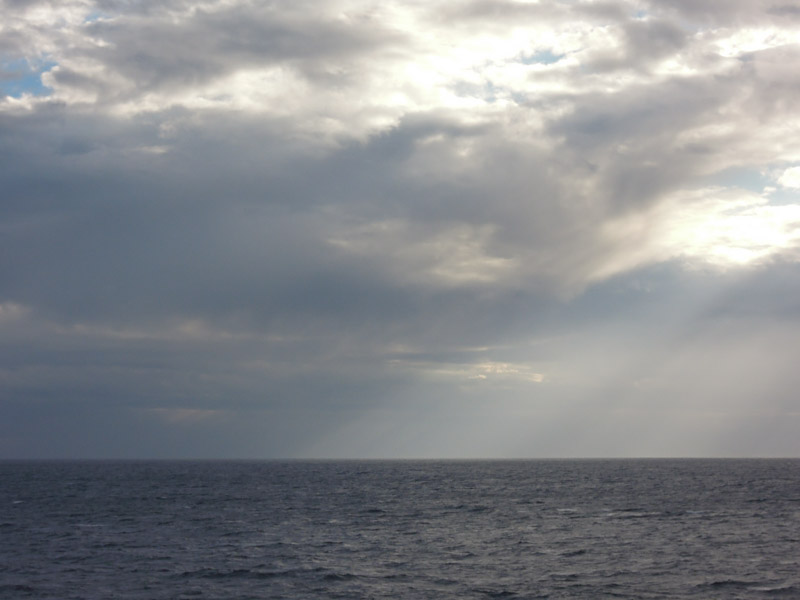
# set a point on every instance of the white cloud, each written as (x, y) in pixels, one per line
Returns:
(708, 226)
(737, 42)
(790, 178)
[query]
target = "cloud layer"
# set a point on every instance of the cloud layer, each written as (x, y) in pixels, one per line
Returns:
(458, 228)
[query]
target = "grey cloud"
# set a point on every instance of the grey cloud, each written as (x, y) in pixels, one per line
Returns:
(632, 141)
(244, 250)
(705, 12)
(650, 40)
(12, 44)
(785, 10)
(23, 6)
(491, 14)
(504, 11)
(157, 53)
(198, 273)
(776, 82)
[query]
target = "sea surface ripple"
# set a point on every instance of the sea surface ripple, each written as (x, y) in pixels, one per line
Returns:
(400, 529)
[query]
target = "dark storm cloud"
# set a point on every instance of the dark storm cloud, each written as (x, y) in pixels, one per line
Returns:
(126, 234)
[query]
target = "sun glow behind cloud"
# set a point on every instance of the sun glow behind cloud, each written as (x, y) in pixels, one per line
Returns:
(708, 227)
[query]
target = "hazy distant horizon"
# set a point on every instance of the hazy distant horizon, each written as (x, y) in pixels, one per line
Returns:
(345, 459)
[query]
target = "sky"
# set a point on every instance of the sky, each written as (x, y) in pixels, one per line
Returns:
(362, 229)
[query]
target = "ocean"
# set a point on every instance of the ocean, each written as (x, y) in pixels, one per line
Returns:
(400, 529)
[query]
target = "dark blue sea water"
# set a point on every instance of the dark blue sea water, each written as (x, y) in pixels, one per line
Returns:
(404, 529)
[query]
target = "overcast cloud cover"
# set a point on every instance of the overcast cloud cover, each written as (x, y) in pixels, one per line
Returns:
(355, 228)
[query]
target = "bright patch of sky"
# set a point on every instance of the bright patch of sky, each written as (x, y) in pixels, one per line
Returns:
(750, 179)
